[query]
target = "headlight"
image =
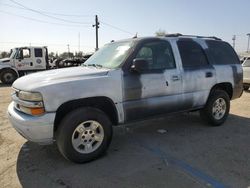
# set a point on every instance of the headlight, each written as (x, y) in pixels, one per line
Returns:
(28, 102)
(30, 96)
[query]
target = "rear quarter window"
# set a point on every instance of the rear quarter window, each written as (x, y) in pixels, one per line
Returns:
(222, 53)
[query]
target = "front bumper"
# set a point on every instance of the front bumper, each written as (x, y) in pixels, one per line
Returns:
(38, 129)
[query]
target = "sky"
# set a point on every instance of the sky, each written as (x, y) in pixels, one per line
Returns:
(58, 23)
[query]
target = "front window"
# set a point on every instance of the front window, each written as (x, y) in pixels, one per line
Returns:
(26, 53)
(158, 54)
(111, 55)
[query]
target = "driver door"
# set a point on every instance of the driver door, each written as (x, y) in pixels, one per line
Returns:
(156, 90)
(24, 59)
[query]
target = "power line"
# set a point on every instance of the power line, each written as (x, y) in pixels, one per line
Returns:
(44, 14)
(117, 28)
(45, 44)
(42, 21)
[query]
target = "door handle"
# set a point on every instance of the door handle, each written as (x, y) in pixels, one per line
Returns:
(209, 74)
(175, 78)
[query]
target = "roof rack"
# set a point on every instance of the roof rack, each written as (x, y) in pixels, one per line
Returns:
(194, 36)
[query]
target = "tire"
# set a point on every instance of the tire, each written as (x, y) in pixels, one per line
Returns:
(74, 129)
(245, 88)
(8, 76)
(214, 114)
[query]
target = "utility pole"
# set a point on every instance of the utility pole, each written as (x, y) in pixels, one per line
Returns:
(68, 50)
(96, 25)
(79, 42)
(234, 39)
(248, 42)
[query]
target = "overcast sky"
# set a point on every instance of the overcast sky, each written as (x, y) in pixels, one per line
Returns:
(39, 22)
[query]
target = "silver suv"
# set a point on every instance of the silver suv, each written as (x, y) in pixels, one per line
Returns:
(246, 74)
(122, 82)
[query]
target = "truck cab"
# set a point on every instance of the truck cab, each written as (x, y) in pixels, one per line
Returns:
(23, 60)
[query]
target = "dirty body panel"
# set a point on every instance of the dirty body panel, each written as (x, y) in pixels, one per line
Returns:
(184, 86)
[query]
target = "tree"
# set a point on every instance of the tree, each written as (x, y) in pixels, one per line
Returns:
(160, 33)
(79, 54)
(4, 54)
(51, 55)
(66, 55)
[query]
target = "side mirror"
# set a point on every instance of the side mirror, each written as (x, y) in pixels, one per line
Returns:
(140, 65)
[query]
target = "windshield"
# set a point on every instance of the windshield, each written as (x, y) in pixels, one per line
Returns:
(110, 56)
(13, 53)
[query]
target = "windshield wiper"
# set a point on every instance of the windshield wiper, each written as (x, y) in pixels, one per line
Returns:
(95, 65)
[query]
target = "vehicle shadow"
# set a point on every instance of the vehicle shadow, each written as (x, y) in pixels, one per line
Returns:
(130, 162)
(247, 91)
(4, 85)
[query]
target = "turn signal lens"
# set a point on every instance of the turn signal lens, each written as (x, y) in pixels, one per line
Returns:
(32, 111)
(37, 111)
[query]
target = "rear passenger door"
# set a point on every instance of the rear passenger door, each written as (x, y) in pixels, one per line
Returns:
(198, 75)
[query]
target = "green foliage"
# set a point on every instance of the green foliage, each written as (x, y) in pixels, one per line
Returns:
(160, 33)
(4, 54)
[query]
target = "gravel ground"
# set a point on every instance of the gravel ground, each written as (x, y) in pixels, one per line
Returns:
(188, 153)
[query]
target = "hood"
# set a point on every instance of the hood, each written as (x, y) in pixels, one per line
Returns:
(4, 60)
(43, 78)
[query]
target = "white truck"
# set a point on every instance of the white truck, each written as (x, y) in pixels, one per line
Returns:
(22, 61)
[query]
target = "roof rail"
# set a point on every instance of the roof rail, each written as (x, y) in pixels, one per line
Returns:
(195, 36)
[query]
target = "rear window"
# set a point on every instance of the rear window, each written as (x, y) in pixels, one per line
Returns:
(222, 53)
(38, 52)
(192, 54)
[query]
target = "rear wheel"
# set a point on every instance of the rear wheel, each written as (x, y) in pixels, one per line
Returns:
(217, 108)
(84, 134)
(8, 76)
(245, 88)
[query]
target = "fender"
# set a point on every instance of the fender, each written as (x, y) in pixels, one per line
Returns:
(8, 66)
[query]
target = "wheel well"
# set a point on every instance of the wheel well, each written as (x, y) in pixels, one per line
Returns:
(103, 103)
(227, 87)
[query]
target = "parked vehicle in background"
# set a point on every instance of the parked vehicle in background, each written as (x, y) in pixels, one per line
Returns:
(22, 61)
(122, 82)
(246, 73)
(244, 58)
(25, 60)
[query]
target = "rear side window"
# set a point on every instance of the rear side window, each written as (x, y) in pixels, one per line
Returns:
(38, 52)
(222, 53)
(192, 54)
(246, 63)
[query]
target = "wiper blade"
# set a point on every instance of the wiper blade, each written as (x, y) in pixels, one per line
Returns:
(95, 65)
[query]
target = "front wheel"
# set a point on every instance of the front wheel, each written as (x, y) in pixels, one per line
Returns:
(217, 108)
(84, 134)
(8, 76)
